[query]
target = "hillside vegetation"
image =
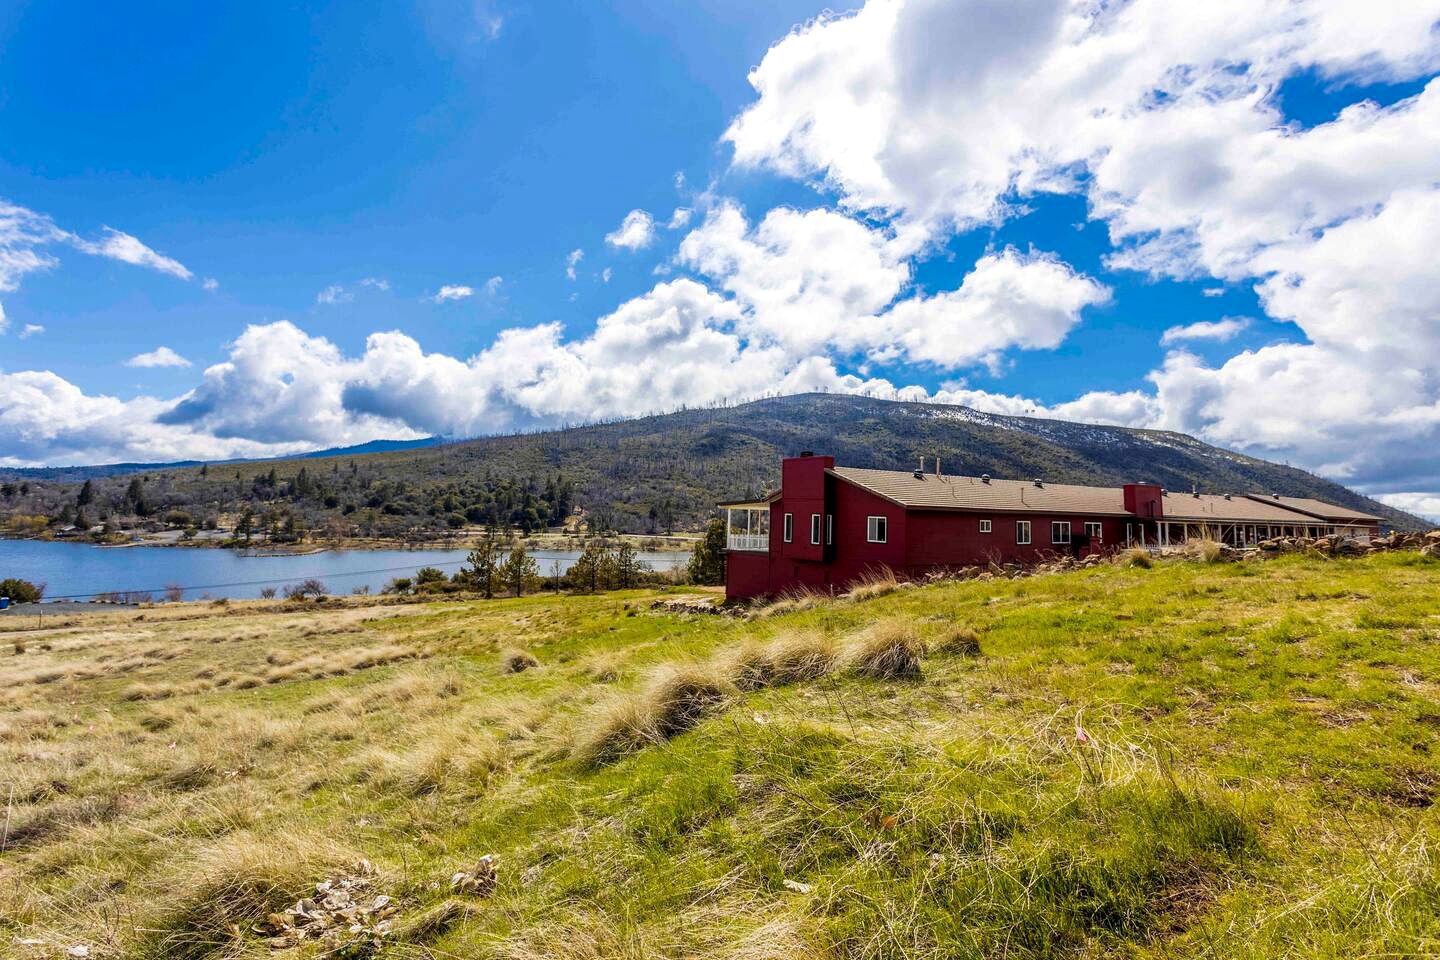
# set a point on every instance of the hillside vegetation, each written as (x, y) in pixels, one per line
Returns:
(1189, 759)
(650, 475)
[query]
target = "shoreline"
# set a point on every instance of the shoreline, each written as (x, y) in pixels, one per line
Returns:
(648, 543)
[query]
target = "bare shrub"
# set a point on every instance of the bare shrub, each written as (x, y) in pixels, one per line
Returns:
(310, 587)
(886, 651)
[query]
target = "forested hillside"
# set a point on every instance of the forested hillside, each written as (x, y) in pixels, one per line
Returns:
(647, 475)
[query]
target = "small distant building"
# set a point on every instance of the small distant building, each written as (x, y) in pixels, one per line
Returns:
(827, 526)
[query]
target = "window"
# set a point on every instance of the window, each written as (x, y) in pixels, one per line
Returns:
(829, 529)
(984, 526)
(877, 529)
(789, 527)
(1094, 531)
(1060, 531)
(815, 529)
(1022, 531)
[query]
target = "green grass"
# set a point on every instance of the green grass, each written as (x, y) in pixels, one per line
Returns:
(1226, 760)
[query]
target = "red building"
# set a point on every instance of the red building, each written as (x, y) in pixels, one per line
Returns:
(827, 526)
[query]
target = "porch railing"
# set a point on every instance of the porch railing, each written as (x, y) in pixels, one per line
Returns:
(748, 541)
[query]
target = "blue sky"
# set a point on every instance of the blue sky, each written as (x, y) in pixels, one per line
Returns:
(986, 222)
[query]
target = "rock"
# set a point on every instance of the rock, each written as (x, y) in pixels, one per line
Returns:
(796, 886)
(479, 881)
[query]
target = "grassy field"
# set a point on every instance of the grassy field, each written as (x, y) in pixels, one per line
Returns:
(1231, 760)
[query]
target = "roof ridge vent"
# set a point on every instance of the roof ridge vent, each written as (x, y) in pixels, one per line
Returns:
(1039, 482)
(919, 474)
(984, 478)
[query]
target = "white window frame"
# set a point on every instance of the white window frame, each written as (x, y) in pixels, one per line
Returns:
(877, 529)
(814, 529)
(829, 529)
(1061, 527)
(1095, 530)
(789, 527)
(986, 526)
(1022, 532)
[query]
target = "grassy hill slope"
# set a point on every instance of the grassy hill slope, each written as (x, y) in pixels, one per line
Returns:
(1228, 760)
(656, 472)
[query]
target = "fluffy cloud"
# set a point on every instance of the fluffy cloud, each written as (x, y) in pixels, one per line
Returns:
(818, 280)
(636, 232)
(572, 260)
(1224, 329)
(1009, 300)
(806, 279)
(451, 291)
(159, 357)
(938, 116)
(30, 330)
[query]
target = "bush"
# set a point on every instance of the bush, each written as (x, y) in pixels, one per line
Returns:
(305, 588)
(21, 591)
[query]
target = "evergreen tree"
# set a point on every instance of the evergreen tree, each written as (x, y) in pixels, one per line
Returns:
(707, 563)
(244, 525)
(483, 566)
(86, 494)
(519, 570)
(627, 565)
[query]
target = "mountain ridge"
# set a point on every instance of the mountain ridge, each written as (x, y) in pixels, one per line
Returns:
(668, 470)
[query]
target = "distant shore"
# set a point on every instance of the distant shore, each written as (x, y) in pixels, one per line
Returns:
(211, 539)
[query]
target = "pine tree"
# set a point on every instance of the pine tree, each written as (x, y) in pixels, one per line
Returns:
(86, 494)
(627, 565)
(519, 570)
(483, 566)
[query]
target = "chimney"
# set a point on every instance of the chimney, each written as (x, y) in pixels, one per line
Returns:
(937, 465)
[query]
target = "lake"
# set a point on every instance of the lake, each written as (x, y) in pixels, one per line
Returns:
(81, 570)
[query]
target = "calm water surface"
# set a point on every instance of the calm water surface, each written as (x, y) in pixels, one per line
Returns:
(82, 570)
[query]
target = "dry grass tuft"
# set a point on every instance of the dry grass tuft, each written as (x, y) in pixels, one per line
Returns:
(1135, 557)
(237, 882)
(789, 658)
(604, 668)
(516, 660)
(148, 691)
(887, 651)
(792, 602)
(956, 640)
(678, 698)
(874, 582)
(1206, 551)
(445, 762)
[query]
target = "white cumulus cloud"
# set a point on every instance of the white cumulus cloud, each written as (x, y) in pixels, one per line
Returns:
(452, 291)
(1224, 329)
(159, 357)
(636, 231)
